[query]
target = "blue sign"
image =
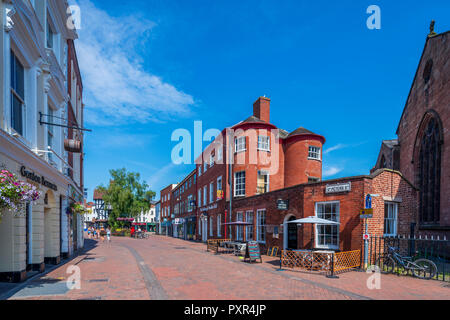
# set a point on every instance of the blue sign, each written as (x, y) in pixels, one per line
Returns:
(368, 201)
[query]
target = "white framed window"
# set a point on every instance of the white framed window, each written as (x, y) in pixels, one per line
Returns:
(200, 227)
(211, 226)
(211, 192)
(219, 154)
(17, 95)
(249, 229)
(199, 170)
(239, 184)
(190, 199)
(314, 153)
(199, 197)
(50, 36)
(219, 225)
(262, 183)
(261, 226)
(240, 144)
(327, 236)
(239, 229)
(168, 196)
(264, 143)
(205, 195)
(205, 166)
(390, 218)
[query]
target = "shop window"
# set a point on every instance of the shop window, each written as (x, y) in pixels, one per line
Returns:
(239, 144)
(314, 153)
(327, 236)
(262, 184)
(390, 218)
(261, 226)
(239, 184)
(17, 95)
(263, 143)
(249, 229)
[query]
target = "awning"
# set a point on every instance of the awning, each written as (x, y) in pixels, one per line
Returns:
(238, 223)
(314, 220)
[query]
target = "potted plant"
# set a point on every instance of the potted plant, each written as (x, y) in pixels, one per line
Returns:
(15, 193)
(78, 208)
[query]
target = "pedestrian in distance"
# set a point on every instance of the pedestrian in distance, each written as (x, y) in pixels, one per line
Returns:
(108, 234)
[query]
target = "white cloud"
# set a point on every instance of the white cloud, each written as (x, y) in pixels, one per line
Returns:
(331, 171)
(117, 88)
(336, 147)
(155, 179)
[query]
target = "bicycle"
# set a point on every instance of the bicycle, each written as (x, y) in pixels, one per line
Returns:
(393, 262)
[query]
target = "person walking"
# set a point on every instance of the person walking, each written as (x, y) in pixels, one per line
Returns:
(108, 234)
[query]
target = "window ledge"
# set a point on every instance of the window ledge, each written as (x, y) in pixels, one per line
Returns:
(320, 160)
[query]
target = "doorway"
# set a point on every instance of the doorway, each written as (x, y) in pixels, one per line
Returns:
(292, 235)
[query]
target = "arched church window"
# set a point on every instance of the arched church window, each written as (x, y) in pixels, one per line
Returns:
(430, 173)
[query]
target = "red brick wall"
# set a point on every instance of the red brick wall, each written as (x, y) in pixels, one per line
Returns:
(297, 166)
(434, 95)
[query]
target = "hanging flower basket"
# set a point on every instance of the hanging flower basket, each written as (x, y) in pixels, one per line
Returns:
(77, 208)
(15, 193)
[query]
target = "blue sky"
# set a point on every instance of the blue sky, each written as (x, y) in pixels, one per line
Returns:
(150, 67)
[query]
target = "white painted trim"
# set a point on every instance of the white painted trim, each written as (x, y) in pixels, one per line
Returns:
(331, 247)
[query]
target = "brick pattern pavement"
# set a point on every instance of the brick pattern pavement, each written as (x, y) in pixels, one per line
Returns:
(168, 268)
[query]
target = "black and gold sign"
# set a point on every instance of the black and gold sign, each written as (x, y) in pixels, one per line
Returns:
(38, 179)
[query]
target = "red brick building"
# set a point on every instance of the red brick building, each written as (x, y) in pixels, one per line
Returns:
(184, 198)
(264, 158)
(390, 191)
(166, 207)
(422, 151)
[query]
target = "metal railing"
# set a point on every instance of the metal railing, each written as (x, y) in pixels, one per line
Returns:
(436, 249)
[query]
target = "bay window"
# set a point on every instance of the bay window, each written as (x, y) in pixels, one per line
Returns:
(263, 143)
(239, 144)
(314, 153)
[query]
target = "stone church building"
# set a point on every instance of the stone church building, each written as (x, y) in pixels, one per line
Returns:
(422, 151)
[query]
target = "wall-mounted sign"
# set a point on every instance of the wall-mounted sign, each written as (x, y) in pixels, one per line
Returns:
(214, 206)
(366, 214)
(282, 204)
(368, 201)
(338, 188)
(219, 194)
(38, 179)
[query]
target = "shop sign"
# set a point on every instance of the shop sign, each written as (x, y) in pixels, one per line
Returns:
(38, 179)
(219, 194)
(211, 207)
(337, 188)
(282, 204)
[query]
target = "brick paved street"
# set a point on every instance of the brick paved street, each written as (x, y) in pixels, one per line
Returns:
(168, 268)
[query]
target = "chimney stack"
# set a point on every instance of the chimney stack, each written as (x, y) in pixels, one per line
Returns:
(261, 109)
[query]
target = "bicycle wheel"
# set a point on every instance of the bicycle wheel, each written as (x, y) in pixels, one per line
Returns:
(426, 269)
(386, 264)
